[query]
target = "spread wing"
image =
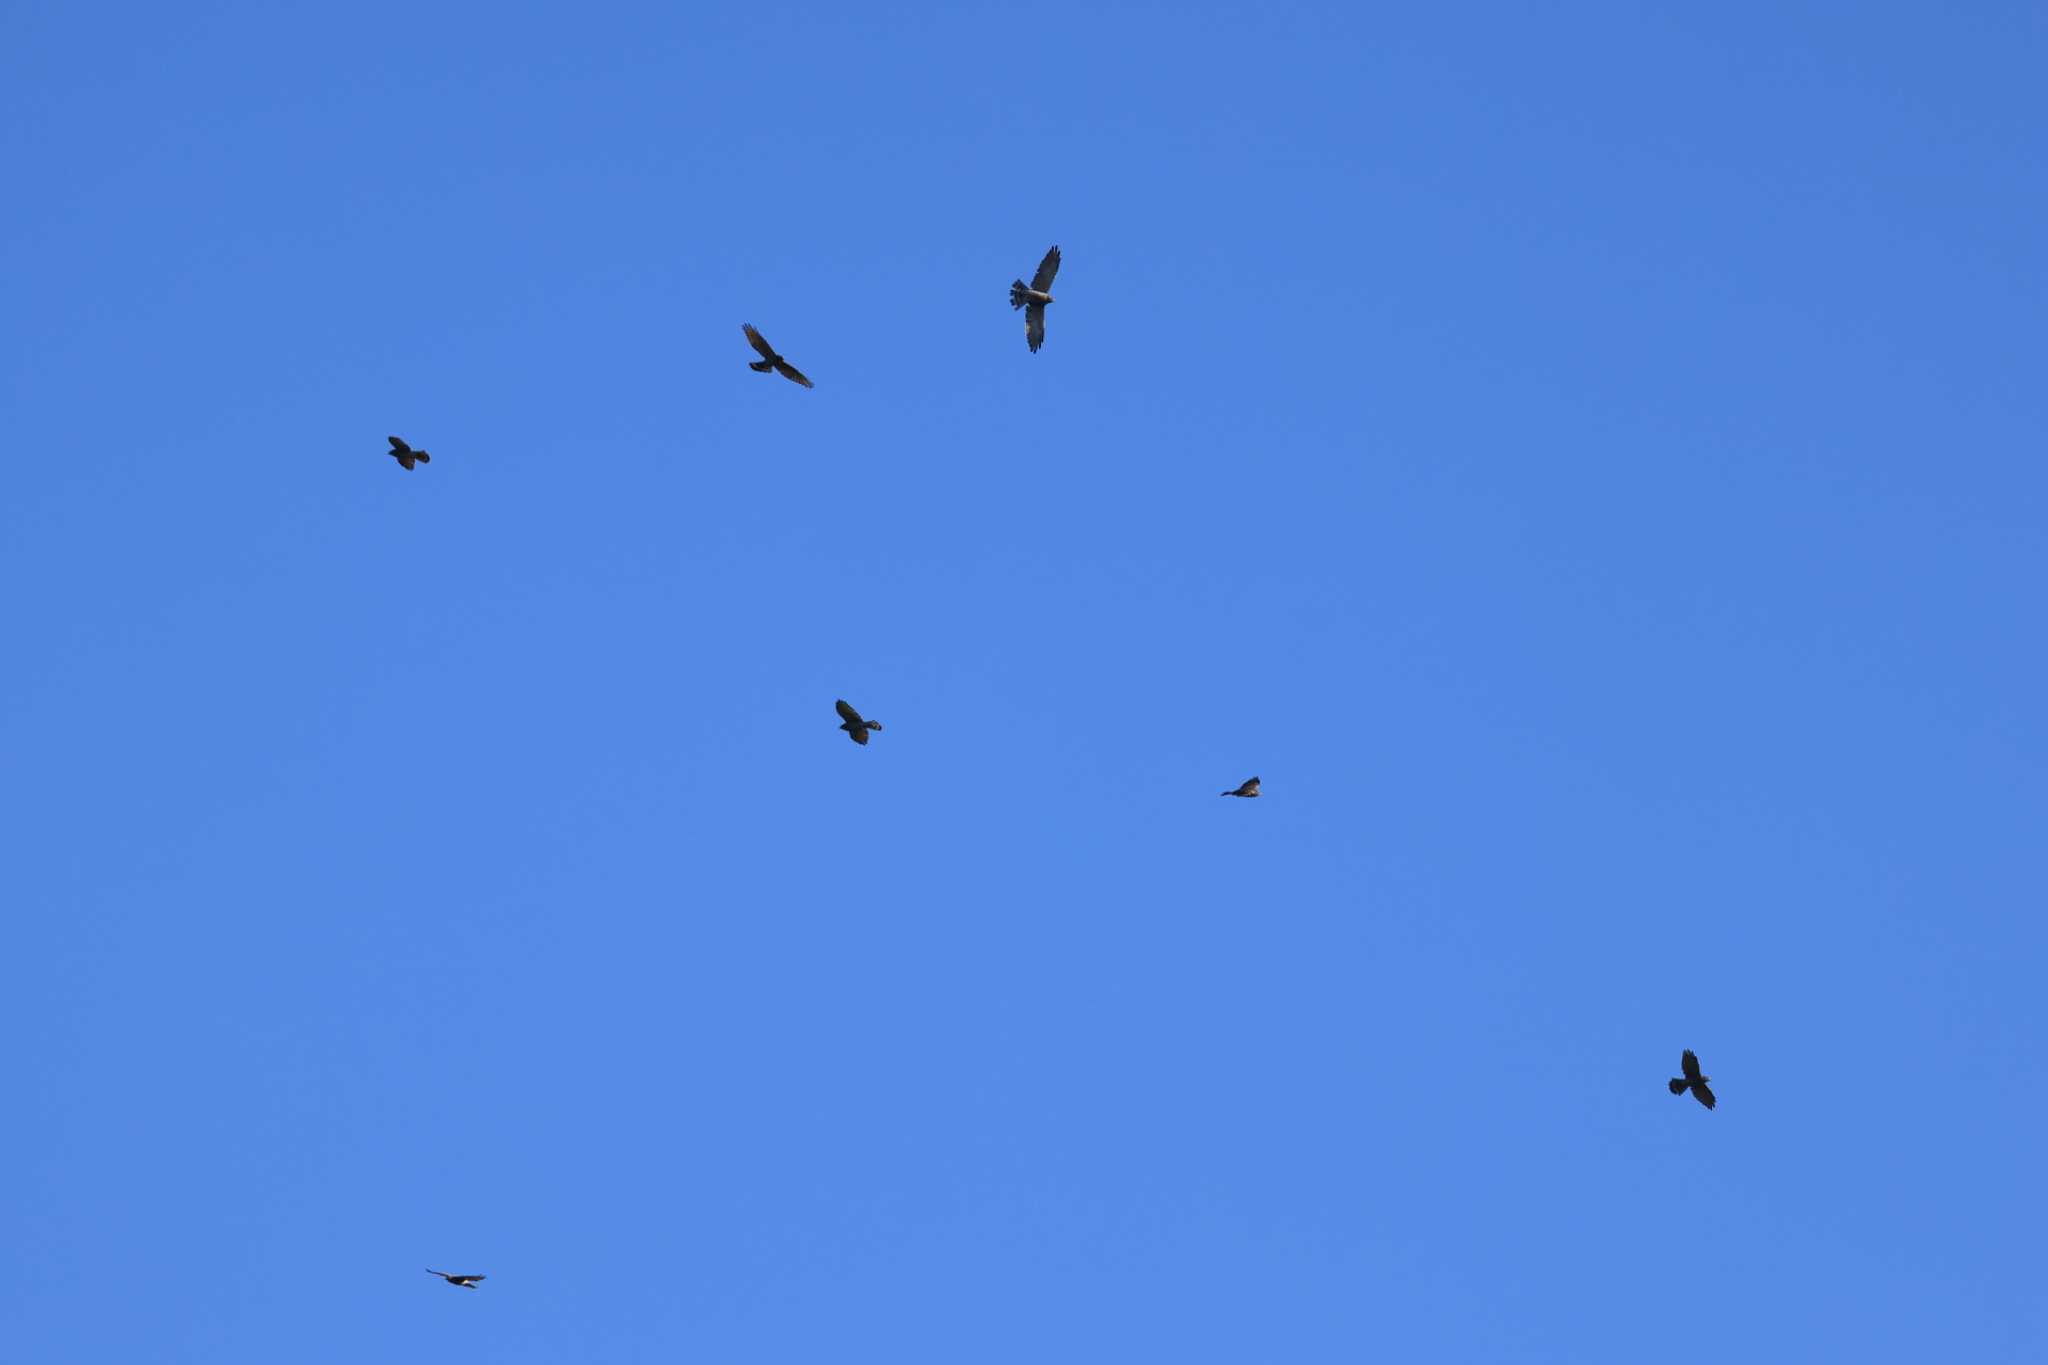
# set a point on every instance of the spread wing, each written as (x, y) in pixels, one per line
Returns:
(859, 733)
(1690, 1065)
(1250, 788)
(760, 342)
(1034, 325)
(1047, 268)
(789, 371)
(1703, 1095)
(397, 445)
(850, 716)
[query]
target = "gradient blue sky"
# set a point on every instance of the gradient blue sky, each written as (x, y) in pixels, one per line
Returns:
(1588, 461)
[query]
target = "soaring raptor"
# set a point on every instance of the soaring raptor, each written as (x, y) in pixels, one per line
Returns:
(771, 361)
(850, 721)
(405, 454)
(1032, 298)
(1692, 1080)
(1250, 788)
(459, 1281)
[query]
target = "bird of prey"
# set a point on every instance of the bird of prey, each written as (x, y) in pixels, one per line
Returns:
(459, 1281)
(1692, 1080)
(1032, 298)
(850, 721)
(405, 454)
(1250, 788)
(771, 361)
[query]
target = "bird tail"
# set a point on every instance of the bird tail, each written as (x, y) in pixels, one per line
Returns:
(422, 457)
(1017, 293)
(1678, 1084)
(874, 725)
(760, 366)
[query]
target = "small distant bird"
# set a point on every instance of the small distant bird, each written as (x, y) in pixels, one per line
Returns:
(1692, 1080)
(1032, 298)
(1250, 788)
(460, 1281)
(853, 724)
(771, 361)
(406, 455)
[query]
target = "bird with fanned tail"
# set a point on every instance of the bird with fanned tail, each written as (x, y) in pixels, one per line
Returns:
(851, 722)
(1033, 298)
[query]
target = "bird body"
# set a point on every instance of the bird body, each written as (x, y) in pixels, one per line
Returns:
(1033, 298)
(1250, 788)
(851, 722)
(1692, 1080)
(459, 1281)
(406, 455)
(771, 361)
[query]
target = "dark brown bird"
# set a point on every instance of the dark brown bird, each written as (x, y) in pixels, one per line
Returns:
(1033, 297)
(406, 455)
(1692, 1080)
(460, 1281)
(850, 721)
(771, 361)
(1250, 788)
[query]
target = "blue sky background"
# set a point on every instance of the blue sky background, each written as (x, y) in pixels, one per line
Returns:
(1587, 461)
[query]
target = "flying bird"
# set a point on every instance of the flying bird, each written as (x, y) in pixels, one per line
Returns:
(459, 1281)
(771, 361)
(1032, 298)
(1250, 788)
(405, 454)
(1692, 1080)
(851, 722)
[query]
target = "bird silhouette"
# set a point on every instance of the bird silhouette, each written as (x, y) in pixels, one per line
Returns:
(405, 454)
(1692, 1080)
(1250, 788)
(771, 361)
(459, 1281)
(1033, 297)
(854, 726)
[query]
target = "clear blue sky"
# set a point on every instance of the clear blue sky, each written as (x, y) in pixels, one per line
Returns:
(1588, 462)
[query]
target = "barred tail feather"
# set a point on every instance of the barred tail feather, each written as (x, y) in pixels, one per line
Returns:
(1017, 291)
(1678, 1085)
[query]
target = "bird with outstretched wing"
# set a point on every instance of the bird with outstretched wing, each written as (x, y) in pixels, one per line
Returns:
(771, 361)
(851, 722)
(459, 1281)
(406, 455)
(1033, 297)
(1692, 1080)
(1250, 788)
